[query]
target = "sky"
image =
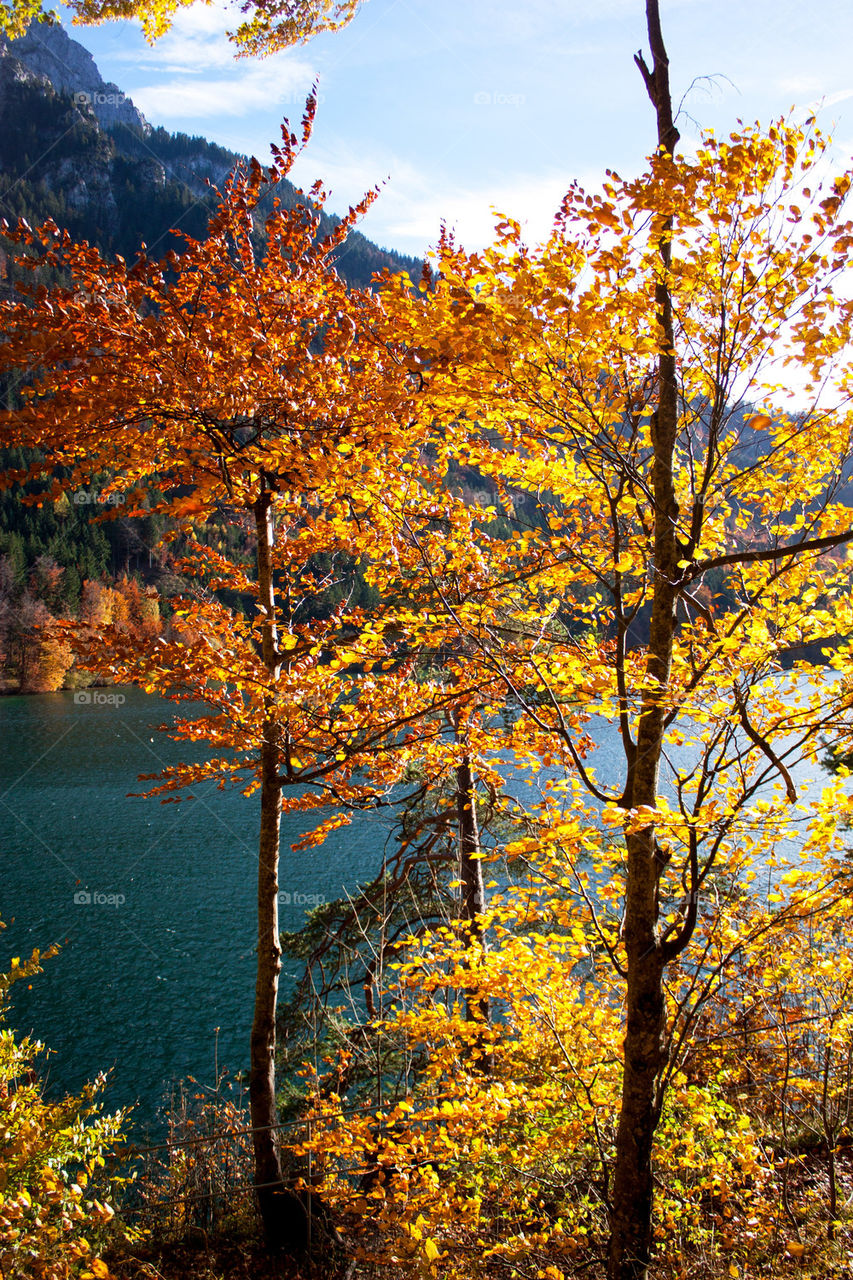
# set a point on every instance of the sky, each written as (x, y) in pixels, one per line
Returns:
(460, 106)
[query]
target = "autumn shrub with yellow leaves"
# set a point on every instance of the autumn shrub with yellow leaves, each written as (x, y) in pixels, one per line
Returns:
(54, 1192)
(497, 1159)
(779, 1037)
(493, 1154)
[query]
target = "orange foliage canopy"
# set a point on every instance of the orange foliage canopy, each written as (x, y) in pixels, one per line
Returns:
(227, 373)
(270, 25)
(238, 365)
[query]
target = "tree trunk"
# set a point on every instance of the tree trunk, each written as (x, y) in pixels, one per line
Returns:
(283, 1214)
(473, 890)
(632, 1199)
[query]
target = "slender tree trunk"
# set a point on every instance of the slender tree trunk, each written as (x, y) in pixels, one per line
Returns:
(471, 875)
(830, 1131)
(283, 1214)
(632, 1199)
(833, 1189)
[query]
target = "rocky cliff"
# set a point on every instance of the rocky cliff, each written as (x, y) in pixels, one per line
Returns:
(49, 52)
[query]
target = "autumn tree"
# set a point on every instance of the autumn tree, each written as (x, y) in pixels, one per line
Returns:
(666, 381)
(270, 25)
(277, 24)
(253, 387)
(39, 653)
(669, 376)
(47, 664)
(782, 1027)
(55, 1199)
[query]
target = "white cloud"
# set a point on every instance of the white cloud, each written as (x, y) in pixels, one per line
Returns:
(471, 214)
(412, 204)
(197, 40)
(799, 86)
(194, 73)
(830, 100)
(258, 87)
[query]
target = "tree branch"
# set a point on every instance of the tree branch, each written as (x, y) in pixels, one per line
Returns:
(763, 745)
(768, 553)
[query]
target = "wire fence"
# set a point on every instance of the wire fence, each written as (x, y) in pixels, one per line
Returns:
(204, 1180)
(202, 1176)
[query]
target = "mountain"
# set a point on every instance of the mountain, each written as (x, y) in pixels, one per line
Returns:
(49, 52)
(74, 148)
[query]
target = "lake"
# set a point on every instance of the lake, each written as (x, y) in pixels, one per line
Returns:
(154, 904)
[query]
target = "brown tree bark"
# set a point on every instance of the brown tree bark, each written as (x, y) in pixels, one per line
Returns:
(284, 1216)
(632, 1199)
(473, 889)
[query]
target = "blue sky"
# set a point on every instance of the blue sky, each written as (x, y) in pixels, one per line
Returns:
(462, 105)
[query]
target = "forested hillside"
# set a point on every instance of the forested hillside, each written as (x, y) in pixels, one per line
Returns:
(75, 149)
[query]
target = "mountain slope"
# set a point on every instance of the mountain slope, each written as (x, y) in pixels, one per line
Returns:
(74, 148)
(49, 52)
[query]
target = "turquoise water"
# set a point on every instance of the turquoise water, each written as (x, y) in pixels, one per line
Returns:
(154, 904)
